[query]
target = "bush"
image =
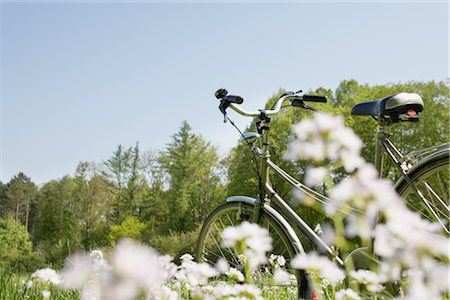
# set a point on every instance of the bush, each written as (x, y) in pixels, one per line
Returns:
(176, 243)
(16, 248)
(130, 227)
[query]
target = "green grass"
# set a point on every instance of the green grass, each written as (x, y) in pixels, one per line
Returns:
(14, 287)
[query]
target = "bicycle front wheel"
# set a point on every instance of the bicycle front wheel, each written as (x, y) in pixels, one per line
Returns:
(432, 181)
(233, 213)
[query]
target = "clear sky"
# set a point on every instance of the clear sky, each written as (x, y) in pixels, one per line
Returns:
(78, 79)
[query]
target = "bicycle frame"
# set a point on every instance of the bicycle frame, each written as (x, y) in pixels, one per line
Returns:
(404, 163)
(288, 216)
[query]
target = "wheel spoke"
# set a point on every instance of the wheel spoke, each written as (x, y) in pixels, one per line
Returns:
(430, 197)
(436, 196)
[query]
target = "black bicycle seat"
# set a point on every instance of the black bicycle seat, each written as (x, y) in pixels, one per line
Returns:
(397, 103)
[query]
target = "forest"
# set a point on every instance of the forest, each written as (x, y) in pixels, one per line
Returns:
(160, 198)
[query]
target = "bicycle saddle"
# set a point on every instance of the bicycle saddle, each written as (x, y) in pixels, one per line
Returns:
(392, 105)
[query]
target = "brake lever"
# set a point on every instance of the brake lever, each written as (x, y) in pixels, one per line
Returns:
(224, 104)
(301, 104)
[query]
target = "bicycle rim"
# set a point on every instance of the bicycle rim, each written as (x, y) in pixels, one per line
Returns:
(432, 180)
(231, 214)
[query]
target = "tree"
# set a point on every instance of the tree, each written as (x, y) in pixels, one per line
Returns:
(57, 228)
(94, 202)
(19, 197)
(124, 174)
(155, 208)
(192, 166)
(2, 198)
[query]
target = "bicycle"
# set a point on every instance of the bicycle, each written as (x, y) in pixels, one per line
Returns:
(423, 182)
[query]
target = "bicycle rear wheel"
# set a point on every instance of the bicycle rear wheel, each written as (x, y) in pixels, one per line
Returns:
(233, 213)
(432, 180)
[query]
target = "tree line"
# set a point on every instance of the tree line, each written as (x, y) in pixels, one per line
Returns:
(161, 197)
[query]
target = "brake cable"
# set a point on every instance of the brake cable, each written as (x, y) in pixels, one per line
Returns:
(256, 167)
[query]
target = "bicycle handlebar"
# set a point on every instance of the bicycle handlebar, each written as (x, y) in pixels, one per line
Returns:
(274, 111)
(234, 101)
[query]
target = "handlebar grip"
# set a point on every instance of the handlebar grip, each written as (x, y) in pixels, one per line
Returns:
(234, 99)
(220, 93)
(315, 98)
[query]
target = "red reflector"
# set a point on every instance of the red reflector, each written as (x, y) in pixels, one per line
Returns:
(315, 296)
(411, 112)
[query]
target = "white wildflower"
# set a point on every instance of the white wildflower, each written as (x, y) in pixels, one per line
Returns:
(401, 222)
(385, 244)
(368, 278)
(438, 275)
(165, 293)
(340, 195)
(329, 234)
(324, 284)
(135, 267)
(199, 273)
(29, 284)
(418, 288)
(133, 261)
(168, 265)
(325, 137)
(315, 176)
(193, 274)
(319, 265)
(122, 290)
(277, 260)
(47, 275)
(390, 270)
(318, 229)
(237, 291)
(222, 265)
(96, 254)
(204, 292)
(235, 274)
(256, 239)
(86, 274)
(375, 287)
(280, 276)
(46, 294)
(347, 294)
(186, 258)
(352, 161)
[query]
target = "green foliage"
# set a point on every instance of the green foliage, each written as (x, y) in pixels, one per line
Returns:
(16, 248)
(130, 227)
(176, 243)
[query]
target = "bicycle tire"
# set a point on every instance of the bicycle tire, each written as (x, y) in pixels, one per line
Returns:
(432, 179)
(233, 213)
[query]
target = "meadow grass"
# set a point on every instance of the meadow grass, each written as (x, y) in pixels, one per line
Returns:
(14, 287)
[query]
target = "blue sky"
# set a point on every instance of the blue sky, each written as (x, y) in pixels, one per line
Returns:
(78, 79)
